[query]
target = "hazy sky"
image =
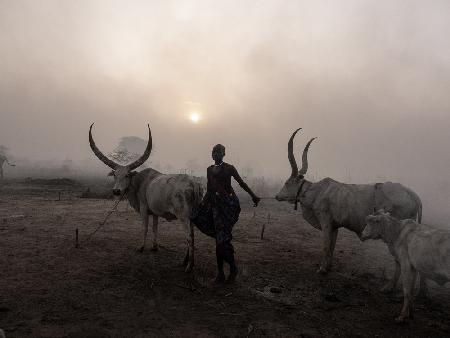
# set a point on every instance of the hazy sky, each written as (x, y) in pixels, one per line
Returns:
(371, 79)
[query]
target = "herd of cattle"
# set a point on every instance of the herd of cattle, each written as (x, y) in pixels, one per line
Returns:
(386, 211)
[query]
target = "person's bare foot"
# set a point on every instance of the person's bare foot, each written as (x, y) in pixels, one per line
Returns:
(232, 276)
(220, 279)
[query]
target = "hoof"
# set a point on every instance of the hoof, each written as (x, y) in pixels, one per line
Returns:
(189, 268)
(387, 289)
(140, 250)
(219, 280)
(154, 248)
(232, 277)
(401, 319)
(322, 271)
(423, 294)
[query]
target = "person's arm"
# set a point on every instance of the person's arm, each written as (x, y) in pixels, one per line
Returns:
(244, 185)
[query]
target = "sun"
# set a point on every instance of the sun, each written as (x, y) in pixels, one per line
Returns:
(194, 117)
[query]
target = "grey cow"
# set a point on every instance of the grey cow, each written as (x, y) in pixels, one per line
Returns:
(150, 192)
(329, 205)
(417, 249)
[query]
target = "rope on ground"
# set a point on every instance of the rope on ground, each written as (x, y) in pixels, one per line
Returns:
(107, 216)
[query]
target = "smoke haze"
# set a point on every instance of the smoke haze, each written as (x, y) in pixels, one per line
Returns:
(371, 79)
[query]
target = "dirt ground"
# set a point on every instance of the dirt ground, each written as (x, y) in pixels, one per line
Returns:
(104, 288)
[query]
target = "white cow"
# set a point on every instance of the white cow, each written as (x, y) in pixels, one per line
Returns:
(417, 249)
(329, 205)
(152, 193)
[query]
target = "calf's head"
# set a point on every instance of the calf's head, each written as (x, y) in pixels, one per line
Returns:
(122, 173)
(292, 187)
(376, 225)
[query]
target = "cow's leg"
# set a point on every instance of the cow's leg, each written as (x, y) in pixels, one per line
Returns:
(390, 285)
(423, 290)
(409, 276)
(1, 171)
(189, 233)
(155, 234)
(329, 236)
(144, 216)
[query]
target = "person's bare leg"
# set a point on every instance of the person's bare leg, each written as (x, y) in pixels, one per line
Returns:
(220, 278)
(229, 258)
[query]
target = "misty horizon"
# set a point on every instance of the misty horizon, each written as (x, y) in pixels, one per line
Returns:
(369, 79)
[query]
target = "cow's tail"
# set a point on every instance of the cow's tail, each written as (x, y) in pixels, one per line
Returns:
(419, 212)
(419, 205)
(195, 194)
(198, 191)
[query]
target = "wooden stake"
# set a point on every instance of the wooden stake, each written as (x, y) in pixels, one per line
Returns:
(76, 238)
(264, 226)
(59, 195)
(262, 230)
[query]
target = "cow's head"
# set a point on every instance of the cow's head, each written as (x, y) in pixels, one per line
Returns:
(122, 173)
(376, 225)
(292, 186)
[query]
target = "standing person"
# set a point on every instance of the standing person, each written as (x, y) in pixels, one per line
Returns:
(219, 211)
(4, 159)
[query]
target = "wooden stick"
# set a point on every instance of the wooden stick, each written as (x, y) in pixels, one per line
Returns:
(76, 238)
(264, 226)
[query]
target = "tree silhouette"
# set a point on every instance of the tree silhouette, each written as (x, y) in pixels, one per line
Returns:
(123, 156)
(130, 148)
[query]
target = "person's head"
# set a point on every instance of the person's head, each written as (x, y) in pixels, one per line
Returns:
(218, 152)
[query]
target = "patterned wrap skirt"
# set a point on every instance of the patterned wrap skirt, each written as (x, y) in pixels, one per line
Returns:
(217, 215)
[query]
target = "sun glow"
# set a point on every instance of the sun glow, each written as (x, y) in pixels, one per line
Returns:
(194, 117)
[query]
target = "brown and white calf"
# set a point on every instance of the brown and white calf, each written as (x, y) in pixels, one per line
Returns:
(417, 249)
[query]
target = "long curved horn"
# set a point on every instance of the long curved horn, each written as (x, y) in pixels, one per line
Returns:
(98, 153)
(291, 156)
(304, 168)
(146, 154)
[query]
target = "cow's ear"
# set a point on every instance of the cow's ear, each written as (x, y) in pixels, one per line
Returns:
(111, 173)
